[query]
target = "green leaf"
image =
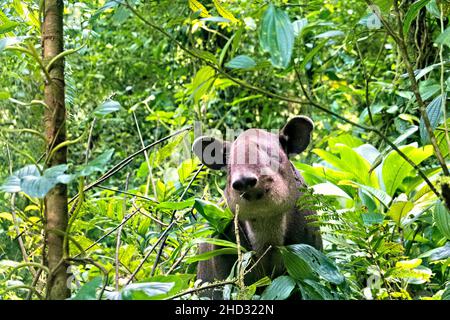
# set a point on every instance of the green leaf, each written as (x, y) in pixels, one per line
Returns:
(380, 195)
(216, 216)
(434, 114)
(276, 36)
(351, 162)
(444, 37)
(218, 242)
(313, 290)
(176, 205)
(418, 275)
(198, 7)
(280, 289)
(202, 83)
(8, 26)
(99, 164)
(29, 180)
(302, 261)
(4, 95)
(241, 62)
(299, 25)
(156, 287)
(146, 290)
(399, 209)
(442, 218)
(168, 150)
(395, 169)
(446, 293)
(210, 254)
(330, 34)
(89, 290)
(107, 107)
(224, 13)
(412, 14)
(440, 253)
(383, 5)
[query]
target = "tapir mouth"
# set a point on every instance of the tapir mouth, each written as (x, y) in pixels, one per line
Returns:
(252, 195)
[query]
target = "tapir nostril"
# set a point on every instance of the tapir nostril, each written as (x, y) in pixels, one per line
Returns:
(244, 183)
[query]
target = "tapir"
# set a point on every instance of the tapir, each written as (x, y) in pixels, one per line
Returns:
(263, 188)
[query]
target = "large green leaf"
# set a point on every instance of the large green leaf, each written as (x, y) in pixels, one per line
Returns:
(442, 218)
(395, 168)
(98, 164)
(302, 261)
(280, 289)
(156, 287)
(276, 36)
(216, 216)
(399, 209)
(202, 83)
(89, 290)
(412, 14)
(434, 114)
(29, 180)
(351, 162)
(440, 253)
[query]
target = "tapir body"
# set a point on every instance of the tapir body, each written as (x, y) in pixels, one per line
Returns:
(263, 188)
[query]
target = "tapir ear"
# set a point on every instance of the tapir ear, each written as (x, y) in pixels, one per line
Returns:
(212, 152)
(296, 134)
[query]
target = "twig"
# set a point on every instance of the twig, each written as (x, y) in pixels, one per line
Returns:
(178, 261)
(127, 193)
(149, 215)
(259, 260)
(119, 232)
(240, 271)
(88, 147)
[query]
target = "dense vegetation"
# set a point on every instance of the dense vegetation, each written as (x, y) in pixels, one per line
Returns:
(144, 75)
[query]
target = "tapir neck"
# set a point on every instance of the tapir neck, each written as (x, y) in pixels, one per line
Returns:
(266, 231)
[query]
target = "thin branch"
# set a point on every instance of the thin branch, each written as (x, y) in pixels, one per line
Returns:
(149, 252)
(128, 217)
(119, 232)
(127, 193)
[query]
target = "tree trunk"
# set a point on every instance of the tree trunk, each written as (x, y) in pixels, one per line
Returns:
(54, 120)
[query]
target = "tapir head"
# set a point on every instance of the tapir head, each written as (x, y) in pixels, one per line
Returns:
(261, 180)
